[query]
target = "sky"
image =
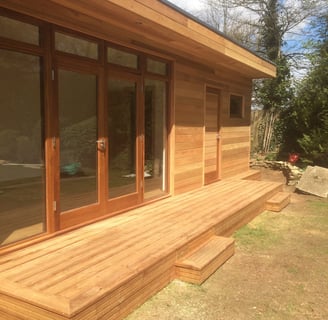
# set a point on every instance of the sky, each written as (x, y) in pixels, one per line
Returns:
(190, 5)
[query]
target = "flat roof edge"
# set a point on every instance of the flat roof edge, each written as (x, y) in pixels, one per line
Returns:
(208, 26)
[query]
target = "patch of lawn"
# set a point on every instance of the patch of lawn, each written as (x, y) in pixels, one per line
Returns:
(318, 210)
(256, 236)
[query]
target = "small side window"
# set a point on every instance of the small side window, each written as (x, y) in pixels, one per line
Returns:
(236, 106)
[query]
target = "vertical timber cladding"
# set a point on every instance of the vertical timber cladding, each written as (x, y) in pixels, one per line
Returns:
(190, 83)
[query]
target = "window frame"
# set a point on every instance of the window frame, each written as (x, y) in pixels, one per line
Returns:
(78, 35)
(241, 107)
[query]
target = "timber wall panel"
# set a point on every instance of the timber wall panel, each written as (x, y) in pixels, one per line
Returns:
(235, 150)
(189, 117)
(190, 91)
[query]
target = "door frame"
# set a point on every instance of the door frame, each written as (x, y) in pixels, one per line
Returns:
(121, 203)
(52, 59)
(79, 215)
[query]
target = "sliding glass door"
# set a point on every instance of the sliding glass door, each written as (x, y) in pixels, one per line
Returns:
(155, 148)
(22, 174)
(124, 142)
(83, 130)
(78, 144)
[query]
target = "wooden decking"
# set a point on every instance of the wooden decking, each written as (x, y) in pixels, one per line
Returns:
(105, 270)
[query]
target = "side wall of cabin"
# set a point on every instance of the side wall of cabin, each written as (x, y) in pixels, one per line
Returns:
(190, 86)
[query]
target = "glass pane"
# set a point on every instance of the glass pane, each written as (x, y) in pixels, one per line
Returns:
(19, 31)
(78, 136)
(155, 138)
(78, 46)
(122, 137)
(157, 67)
(122, 58)
(236, 106)
(22, 198)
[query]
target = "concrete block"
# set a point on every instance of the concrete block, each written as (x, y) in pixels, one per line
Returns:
(314, 181)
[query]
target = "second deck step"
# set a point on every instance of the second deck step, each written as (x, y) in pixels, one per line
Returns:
(197, 266)
(278, 201)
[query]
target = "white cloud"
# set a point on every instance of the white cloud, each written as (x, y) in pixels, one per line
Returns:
(191, 6)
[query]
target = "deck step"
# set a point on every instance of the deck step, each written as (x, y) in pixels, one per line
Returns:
(279, 201)
(197, 266)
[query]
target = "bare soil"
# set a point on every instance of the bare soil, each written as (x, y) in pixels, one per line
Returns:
(279, 271)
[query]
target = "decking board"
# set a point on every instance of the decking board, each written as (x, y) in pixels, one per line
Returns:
(279, 201)
(203, 262)
(106, 269)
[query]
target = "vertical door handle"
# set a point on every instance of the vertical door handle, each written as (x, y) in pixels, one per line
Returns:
(101, 145)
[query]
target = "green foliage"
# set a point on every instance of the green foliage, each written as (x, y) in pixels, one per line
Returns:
(271, 31)
(271, 157)
(276, 94)
(306, 120)
(273, 95)
(315, 146)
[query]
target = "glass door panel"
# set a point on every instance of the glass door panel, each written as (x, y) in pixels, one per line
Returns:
(22, 182)
(122, 137)
(155, 138)
(77, 103)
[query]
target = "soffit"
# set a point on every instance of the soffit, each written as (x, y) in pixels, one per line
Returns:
(152, 24)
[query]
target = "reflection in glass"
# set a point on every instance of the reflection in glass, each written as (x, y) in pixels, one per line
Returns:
(74, 45)
(122, 58)
(236, 106)
(78, 136)
(19, 31)
(122, 137)
(157, 67)
(22, 188)
(155, 138)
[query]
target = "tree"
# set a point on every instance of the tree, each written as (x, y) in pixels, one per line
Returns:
(306, 120)
(266, 23)
(272, 94)
(229, 19)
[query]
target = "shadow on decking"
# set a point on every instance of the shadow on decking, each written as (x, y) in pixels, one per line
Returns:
(106, 269)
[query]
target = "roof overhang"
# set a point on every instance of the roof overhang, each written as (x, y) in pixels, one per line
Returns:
(150, 23)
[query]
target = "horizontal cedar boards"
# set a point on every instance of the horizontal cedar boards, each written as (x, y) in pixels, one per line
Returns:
(197, 266)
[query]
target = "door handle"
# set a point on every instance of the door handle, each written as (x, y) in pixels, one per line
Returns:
(101, 144)
(218, 136)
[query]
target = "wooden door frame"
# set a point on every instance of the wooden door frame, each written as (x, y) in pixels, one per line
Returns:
(52, 60)
(121, 203)
(78, 216)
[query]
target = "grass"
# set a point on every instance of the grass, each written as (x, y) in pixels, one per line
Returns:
(279, 271)
(258, 234)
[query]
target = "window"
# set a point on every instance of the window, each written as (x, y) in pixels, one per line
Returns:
(77, 46)
(236, 106)
(19, 31)
(155, 138)
(157, 67)
(22, 184)
(122, 58)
